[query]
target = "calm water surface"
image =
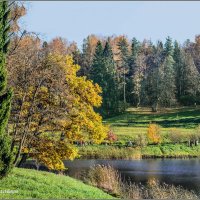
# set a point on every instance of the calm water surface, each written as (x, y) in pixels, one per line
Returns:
(172, 171)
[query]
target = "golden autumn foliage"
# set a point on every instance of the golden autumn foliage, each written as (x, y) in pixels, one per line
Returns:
(83, 96)
(52, 106)
(153, 133)
(52, 152)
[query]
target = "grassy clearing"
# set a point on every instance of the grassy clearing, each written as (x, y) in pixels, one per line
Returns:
(45, 185)
(136, 121)
(177, 117)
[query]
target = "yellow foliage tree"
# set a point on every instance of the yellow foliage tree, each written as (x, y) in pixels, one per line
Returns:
(52, 107)
(81, 122)
(153, 133)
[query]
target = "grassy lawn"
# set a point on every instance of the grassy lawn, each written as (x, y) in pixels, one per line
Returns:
(135, 121)
(45, 185)
(178, 117)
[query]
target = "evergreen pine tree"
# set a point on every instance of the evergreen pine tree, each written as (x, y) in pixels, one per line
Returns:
(110, 93)
(153, 77)
(5, 95)
(98, 67)
(133, 74)
(167, 76)
(103, 73)
(189, 80)
(168, 47)
(178, 67)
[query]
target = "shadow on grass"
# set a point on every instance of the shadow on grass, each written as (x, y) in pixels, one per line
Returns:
(189, 118)
(186, 123)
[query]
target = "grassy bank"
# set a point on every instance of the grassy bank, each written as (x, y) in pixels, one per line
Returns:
(150, 151)
(108, 152)
(26, 183)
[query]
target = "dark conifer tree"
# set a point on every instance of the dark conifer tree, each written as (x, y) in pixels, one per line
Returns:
(178, 67)
(5, 95)
(110, 93)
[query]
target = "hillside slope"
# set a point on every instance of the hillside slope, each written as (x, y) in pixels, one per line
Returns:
(27, 183)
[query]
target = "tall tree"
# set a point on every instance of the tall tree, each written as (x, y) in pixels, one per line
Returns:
(161, 78)
(189, 80)
(167, 76)
(88, 50)
(47, 114)
(98, 67)
(178, 67)
(5, 94)
(110, 92)
(123, 67)
(136, 71)
(103, 73)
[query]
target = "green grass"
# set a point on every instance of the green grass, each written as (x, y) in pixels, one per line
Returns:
(45, 185)
(150, 151)
(170, 151)
(136, 121)
(177, 117)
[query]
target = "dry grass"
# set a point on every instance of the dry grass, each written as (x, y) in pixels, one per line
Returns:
(104, 177)
(108, 179)
(155, 190)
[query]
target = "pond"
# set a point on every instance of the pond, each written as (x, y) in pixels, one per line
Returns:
(172, 171)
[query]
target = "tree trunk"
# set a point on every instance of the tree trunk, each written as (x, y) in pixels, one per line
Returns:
(19, 149)
(155, 107)
(27, 124)
(23, 160)
(124, 87)
(138, 101)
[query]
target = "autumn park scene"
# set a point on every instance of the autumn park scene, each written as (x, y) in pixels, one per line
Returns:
(99, 100)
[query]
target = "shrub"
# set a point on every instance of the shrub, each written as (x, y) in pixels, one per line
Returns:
(140, 140)
(194, 137)
(176, 136)
(111, 137)
(197, 131)
(104, 177)
(153, 134)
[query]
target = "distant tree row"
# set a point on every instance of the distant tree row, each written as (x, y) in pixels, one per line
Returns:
(134, 73)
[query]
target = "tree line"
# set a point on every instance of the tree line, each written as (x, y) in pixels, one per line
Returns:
(134, 73)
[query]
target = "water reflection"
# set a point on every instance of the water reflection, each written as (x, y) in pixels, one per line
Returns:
(171, 171)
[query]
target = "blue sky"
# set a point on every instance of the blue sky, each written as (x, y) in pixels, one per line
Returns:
(151, 20)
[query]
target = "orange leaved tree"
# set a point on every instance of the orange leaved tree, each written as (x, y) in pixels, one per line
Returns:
(153, 133)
